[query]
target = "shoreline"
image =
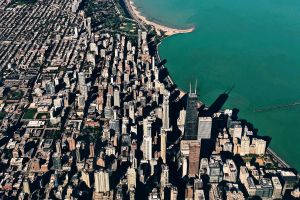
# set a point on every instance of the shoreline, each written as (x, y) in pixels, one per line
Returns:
(159, 29)
(142, 20)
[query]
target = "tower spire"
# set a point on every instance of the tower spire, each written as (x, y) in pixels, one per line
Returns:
(190, 88)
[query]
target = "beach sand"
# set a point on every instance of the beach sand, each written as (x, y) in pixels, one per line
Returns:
(158, 27)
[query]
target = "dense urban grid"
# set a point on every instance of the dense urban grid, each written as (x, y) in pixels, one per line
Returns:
(88, 111)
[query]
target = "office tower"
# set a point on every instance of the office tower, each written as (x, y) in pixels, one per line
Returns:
(147, 148)
(277, 188)
(245, 146)
(204, 128)
(289, 179)
(163, 145)
(81, 101)
(191, 120)
(166, 117)
(78, 153)
(81, 78)
(244, 174)
(101, 181)
(108, 109)
(86, 177)
(89, 25)
(230, 171)
(75, 32)
(131, 111)
(215, 172)
(265, 188)
(194, 158)
(164, 179)
(58, 146)
(199, 195)
(92, 150)
(72, 144)
(139, 38)
(260, 146)
(236, 130)
(56, 161)
(131, 194)
(203, 166)
(116, 97)
(50, 88)
(131, 178)
(154, 195)
(26, 186)
(174, 193)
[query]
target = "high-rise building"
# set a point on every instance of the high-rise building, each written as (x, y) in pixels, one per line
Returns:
(92, 150)
(116, 97)
(26, 186)
(204, 128)
(191, 119)
(101, 181)
(56, 161)
(260, 146)
(131, 178)
(58, 146)
(163, 145)
(89, 25)
(194, 158)
(86, 177)
(277, 188)
(147, 148)
(166, 117)
(164, 179)
(174, 193)
(245, 146)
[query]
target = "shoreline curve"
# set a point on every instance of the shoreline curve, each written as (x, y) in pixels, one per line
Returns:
(159, 29)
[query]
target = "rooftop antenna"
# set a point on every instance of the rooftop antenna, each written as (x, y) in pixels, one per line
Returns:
(196, 87)
(190, 88)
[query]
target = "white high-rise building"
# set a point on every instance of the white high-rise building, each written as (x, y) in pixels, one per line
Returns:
(166, 118)
(101, 181)
(260, 146)
(131, 177)
(245, 146)
(204, 128)
(147, 148)
(164, 179)
(86, 177)
(116, 97)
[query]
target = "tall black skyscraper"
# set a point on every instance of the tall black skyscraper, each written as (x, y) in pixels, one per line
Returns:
(191, 120)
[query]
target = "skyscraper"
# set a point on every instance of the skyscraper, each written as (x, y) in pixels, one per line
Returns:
(204, 128)
(191, 120)
(164, 179)
(116, 97)
(245, 146)
(194, 158)
(163, 145)
(86, 177)
(147, 148)
(26, 187)
(101, 181)
(56, 161)
(131, 177)
(166, 118)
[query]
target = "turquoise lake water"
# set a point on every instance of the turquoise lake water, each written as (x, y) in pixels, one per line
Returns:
(254, 45)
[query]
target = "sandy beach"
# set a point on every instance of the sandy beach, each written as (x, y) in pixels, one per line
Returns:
(158, 27)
